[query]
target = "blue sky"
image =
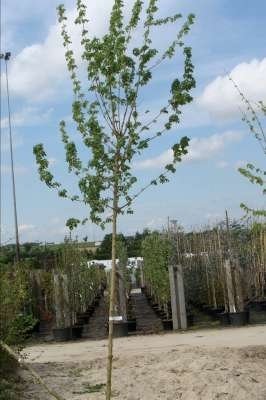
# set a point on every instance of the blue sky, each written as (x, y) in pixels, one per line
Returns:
(228, 37)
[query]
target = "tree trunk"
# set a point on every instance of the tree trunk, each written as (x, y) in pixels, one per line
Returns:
(112, 302)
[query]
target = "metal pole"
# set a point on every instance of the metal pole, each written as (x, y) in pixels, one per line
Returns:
(6, 58)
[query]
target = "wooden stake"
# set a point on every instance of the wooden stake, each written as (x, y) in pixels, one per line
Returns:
(173, 291)
(112, 302)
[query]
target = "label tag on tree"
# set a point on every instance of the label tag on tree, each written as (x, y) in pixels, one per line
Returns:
(117, 318)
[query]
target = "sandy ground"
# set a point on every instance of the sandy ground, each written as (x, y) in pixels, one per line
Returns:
(204, 365)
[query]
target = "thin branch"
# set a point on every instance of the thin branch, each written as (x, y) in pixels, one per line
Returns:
(250, 106)
(103, 114)
(124, 119)
(104, 106)
(153, 120)
(142, 190)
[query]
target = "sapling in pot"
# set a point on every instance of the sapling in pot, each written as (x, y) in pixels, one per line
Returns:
(112, 124)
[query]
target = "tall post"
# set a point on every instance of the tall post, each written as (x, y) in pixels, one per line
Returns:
(228, 269)
(230, 287)
(112, 296)
(238, 287)
(173, 292)
(122, 296)
(172, 276)
(181, 297)
(61, 298)
(178, 304)
(7, 58)
(142, 279)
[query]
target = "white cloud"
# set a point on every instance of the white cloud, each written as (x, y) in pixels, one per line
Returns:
(39, 70)
(200, 149)
(28, 116)
(221, 98)
(25, 228)
(156, 162)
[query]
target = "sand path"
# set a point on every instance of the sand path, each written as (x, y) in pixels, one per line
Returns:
(204, 365)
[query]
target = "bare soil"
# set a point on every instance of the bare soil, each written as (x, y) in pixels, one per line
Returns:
(203, 365)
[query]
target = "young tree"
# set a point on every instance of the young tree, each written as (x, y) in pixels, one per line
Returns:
(252, 118)
(110, 119)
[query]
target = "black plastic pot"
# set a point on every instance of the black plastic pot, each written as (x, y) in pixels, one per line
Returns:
(132, 325)
(206, 309)
(224, 318)
(90, 312)
(35, 328)
(90, 309)
(167, 324)
(239, 318)
(257, 317)
(158, 311)
(76, 332)
(120, 329)
(83, 318)
(162, 315)
(258, 305)
(190, 319)
(61, 334)
(215, 312)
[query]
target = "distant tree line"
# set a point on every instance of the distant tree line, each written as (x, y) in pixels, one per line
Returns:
(44, 256)
(132, 244)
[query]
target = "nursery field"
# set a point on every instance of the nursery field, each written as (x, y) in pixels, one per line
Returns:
(204, 365)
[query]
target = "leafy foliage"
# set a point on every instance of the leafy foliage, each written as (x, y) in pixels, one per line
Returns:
(156, 251)
(254, 174)
(84, 283)
(10, 382)
(33, 255)
(16, 317)
(132, 244)
(110, 118)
